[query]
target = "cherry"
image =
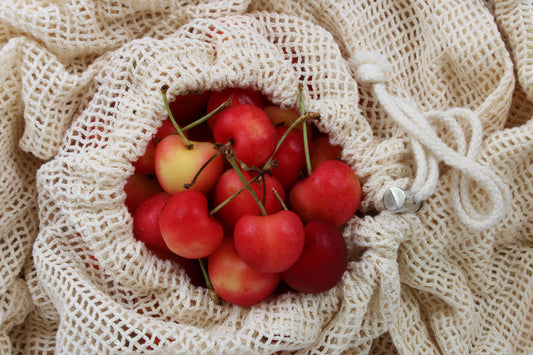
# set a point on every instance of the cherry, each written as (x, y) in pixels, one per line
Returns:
(145, 163)
(290, 158)
(322, 150)
(139, 187)
(331, 193)
(146, 221)
(238, 96)
(177, 165)
(189, 107)
(186, 226)
(322, 262)
(236, 282)
(243, 203)
(270, 243)
(252, 134)
(190, 266)
(284, 117)
(167, 128)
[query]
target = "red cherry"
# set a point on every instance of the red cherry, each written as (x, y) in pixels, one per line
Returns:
(331, 193)
(254, 136)
(189, 107)
(239, 96)
(270, 243)
(322, 262)
(145, 163)
(243, 204)
(139, 187)
(190, 266)
(291, 158)
(146, 221)
(167, 128)
(186, 226)
(322, 150)
(285, 118)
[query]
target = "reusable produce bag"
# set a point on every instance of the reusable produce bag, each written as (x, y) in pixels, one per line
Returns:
(431, 97)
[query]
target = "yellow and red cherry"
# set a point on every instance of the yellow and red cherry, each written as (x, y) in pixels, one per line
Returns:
(236, 282)
(177, 165)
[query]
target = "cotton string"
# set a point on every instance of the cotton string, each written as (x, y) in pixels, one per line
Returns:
(428, 149)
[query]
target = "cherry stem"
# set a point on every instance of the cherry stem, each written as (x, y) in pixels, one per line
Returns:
(280, 199)
(302, 99)
(285, 134)
(189, 185)
(188, 144)
(212, 293)
(235, 166)
(226, 201)
(304, 131)
(201, 120)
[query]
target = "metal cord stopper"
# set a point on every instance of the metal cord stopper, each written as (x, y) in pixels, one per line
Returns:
(400, 201)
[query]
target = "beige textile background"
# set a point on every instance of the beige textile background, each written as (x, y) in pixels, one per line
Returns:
(73, 279)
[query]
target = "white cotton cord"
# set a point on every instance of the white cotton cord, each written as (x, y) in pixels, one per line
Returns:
(427, 173)
(428, 149)
(418, 128)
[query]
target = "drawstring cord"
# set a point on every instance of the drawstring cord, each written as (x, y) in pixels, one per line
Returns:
(428, 150)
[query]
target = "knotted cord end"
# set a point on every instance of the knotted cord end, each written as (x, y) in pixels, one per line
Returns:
(370, 67)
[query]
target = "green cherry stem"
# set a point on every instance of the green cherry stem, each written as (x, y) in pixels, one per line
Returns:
(201, 120)
(302, 99)
(285, 134)
(226, 201)
(306, 151)
(280, 199)
(212, 293)
(188, 144)
(304, 131)
(235, 166)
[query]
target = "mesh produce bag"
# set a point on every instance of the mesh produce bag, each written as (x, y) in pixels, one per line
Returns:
(422, 97)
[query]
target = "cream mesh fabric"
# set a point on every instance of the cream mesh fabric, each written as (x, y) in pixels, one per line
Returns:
(80, 98)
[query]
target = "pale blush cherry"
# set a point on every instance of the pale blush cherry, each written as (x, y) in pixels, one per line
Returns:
(236, 282)
(176, 165)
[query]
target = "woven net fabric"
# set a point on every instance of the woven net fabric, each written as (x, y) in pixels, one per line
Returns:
(80, 99)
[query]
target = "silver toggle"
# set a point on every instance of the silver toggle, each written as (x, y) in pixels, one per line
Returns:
(398, 200)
